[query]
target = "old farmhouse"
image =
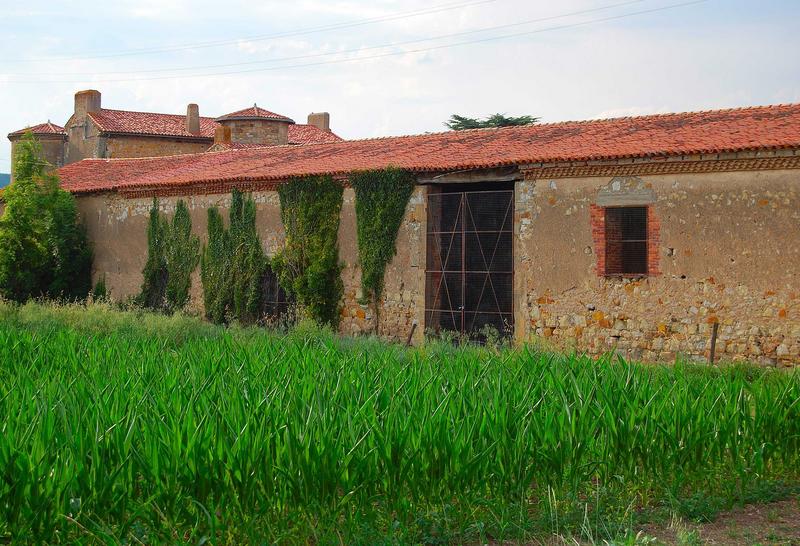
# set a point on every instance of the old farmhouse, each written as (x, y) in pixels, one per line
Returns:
(634, 234)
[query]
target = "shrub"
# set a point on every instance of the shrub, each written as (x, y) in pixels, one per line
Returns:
(308, 265)
(44, 251)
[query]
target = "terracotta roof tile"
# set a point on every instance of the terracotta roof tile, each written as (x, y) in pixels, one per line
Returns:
(755, 128)
(254, 112)
(149, 123)
(41, 129)
(310, 134)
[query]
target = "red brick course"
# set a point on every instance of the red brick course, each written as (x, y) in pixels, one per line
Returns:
(597, 218)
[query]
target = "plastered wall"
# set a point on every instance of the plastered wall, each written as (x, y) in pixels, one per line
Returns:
(117, 227)
(729, 252)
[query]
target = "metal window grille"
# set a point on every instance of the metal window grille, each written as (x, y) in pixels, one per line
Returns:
(470, 263)
(626, 240)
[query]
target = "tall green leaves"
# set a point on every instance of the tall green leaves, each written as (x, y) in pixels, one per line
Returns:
(381, 199)
(234, 265)
(257, 438)
(308, 265)
(172, 255)
(44, 251)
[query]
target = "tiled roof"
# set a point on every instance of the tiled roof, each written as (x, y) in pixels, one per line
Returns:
(298, 134)
(311, 134)
(149, 123)
(41, 129)
(254, 112)
(756, 128)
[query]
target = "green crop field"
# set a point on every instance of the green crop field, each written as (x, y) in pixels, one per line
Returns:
(122, 427)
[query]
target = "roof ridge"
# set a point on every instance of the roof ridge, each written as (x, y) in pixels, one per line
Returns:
(211, 118)
(576, 122)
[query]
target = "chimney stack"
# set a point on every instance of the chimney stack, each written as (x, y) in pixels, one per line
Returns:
(321, 120)
(222, 134)
(86, 101)
(193, 118)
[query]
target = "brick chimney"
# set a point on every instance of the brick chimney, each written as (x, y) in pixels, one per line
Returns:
(321, 120)
(86, 101)
(193, 118)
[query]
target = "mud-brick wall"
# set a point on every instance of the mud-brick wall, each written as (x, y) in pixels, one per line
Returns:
(117, 227)
(728, 251)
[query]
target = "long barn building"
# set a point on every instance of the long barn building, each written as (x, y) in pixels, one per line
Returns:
(633, 235)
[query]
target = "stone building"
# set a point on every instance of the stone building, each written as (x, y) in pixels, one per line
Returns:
(51, 137)
(96, 132)
(633, 235)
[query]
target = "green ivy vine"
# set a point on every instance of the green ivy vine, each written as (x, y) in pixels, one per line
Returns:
(308, 265)
(381, 200)
(234, 266)
(172, 255)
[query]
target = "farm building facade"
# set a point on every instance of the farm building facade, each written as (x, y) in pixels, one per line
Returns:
(632, 234)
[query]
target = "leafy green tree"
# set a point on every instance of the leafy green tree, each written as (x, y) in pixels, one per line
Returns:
(459, 123)
(44, 250)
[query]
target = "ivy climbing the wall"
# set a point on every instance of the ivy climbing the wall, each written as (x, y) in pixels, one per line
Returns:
(308, 265)
(381, 199)
(172, 255)
(233, 267)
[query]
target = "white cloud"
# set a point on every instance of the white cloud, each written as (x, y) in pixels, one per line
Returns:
(670, 61)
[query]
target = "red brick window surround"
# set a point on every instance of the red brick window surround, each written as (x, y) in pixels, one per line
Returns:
(626, 240)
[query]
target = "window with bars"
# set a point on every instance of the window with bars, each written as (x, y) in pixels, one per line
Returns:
(626, 241)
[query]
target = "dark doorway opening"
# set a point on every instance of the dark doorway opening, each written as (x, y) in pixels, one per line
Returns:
(469, 282)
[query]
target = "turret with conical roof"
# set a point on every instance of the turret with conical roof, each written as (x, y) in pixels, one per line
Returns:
(253, 125)
(51, 137)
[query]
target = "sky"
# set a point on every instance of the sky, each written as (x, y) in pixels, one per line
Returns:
(383, 67)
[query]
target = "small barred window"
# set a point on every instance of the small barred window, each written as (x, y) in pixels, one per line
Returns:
(626, 241)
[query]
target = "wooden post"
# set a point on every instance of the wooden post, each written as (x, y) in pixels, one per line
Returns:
(411, 333)
(714, 328)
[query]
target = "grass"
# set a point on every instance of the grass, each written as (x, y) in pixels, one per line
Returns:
(125, 427)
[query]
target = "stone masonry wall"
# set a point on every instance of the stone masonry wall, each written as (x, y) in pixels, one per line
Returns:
(132, 146)
(729, 252)
(117, 227)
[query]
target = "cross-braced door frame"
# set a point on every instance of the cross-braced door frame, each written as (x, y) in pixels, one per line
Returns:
(469, 270)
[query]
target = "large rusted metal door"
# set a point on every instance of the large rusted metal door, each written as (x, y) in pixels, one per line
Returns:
(470, 262)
